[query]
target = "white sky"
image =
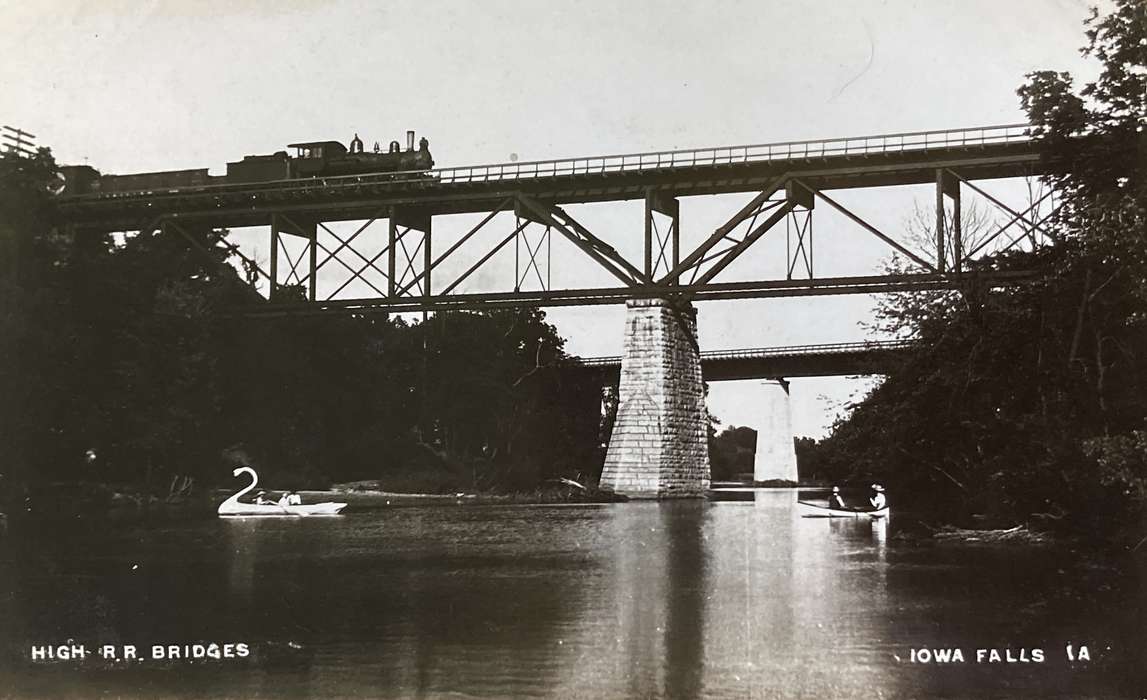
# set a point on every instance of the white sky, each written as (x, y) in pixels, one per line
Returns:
(139, 86)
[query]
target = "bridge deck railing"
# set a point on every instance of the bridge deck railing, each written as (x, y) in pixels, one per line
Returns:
(782, 351)
(913, 141)
(733, 155)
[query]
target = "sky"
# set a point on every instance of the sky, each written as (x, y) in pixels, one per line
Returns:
(143, 86)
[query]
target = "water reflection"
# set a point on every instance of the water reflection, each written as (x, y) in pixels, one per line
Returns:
(786, 603)
(687, 572)
(735, 597)
(654, 586)
(242, 547)
(703, 597)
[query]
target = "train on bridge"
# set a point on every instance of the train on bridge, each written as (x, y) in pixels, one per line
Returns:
(312, 159)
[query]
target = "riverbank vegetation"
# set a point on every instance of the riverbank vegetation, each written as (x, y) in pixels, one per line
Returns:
(1029, 403)
(130, 362)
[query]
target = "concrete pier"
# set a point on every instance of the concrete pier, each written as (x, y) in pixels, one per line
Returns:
(659, 447)
(776, 456)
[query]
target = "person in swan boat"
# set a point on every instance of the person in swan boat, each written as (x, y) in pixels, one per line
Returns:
(290, 498)
(294, 499)
(877, 500)
(836, 501)
(262, 500)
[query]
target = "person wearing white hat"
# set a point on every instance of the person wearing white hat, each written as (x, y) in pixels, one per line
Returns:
(877, 500)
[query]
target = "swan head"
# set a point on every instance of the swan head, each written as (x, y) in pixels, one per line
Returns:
(239, 470)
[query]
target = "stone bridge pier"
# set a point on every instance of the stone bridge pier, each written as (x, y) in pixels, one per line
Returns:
(776, 457)
(659, 447)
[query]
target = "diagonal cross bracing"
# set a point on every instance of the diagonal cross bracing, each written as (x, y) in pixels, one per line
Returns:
(751, 209)
(294, 265)
(599, 250)
(532, 263)
(870, 228)
(803, 243)
(1016, 218)
(458, 244)
(751, 237)
(408, 268)
(332, 255)
(355, 274)
(485, 258)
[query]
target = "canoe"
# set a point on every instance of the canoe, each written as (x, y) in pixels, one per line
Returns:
(234, 507)
(811, 510)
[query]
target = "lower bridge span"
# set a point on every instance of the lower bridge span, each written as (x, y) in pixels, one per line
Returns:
(822, 360)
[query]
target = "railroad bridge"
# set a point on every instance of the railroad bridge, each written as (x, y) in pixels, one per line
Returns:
(821, 360)
(658, 448)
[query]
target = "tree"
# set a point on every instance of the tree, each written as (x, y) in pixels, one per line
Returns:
(35, 357)
(1099, 135)
(1031, 399)
(731, 452)
(1097, 138)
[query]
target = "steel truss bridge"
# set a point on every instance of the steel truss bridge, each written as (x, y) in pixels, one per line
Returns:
(825, 360)
(783, 182)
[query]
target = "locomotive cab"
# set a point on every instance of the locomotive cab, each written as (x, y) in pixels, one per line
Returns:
(315, 157)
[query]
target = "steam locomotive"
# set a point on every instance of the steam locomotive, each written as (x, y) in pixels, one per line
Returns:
(311, 159)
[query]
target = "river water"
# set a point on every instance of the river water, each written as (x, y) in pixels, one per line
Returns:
(730, 597)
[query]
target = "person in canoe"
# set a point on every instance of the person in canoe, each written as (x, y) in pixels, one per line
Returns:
(877, 500)
(836, 501)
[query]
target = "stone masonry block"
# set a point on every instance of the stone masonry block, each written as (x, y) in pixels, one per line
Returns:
(658, 448)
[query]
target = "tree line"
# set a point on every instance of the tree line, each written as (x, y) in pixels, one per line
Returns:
(131, 361)
(1031, 401)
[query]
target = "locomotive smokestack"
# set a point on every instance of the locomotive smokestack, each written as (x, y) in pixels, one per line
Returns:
(410, 140)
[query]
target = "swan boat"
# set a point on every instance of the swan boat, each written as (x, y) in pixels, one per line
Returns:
(232, 506)
(811, 510)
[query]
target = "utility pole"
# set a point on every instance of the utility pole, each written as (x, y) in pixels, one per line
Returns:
(18, 141)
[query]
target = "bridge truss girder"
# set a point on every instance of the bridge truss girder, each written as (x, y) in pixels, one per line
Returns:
(410, 260)
(407, 273)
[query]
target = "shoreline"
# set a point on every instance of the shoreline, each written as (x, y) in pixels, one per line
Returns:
(125, 506)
